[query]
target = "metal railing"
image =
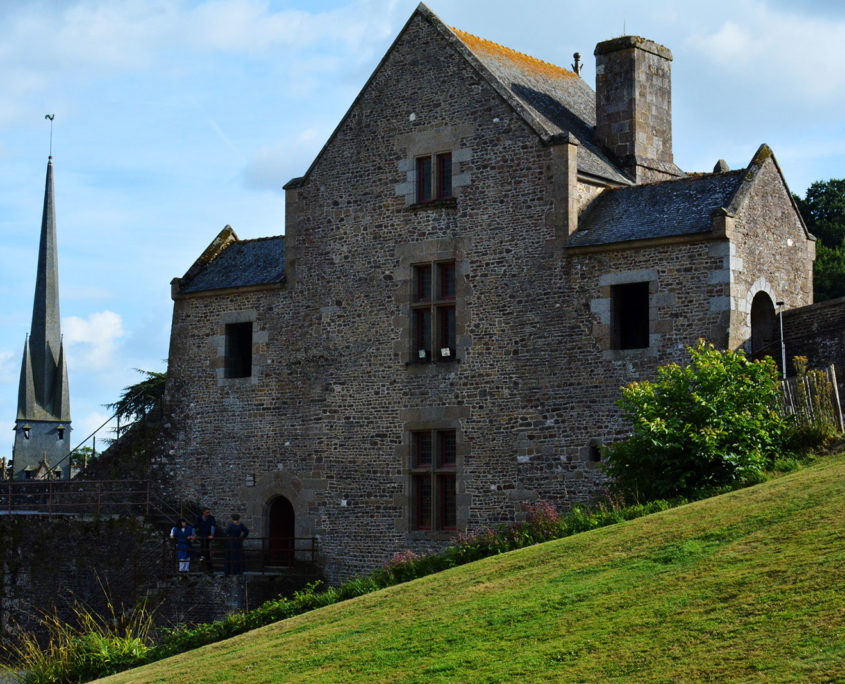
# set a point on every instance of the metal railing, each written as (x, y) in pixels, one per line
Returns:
(256, 555)
(77, 497)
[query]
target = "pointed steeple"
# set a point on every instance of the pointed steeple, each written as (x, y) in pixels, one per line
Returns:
(43, 397)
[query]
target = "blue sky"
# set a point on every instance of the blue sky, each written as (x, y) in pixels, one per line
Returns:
(176, 118)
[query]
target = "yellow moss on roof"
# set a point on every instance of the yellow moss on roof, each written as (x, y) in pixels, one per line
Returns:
(522, 61)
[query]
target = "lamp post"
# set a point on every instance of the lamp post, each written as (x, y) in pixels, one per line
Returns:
(782, 344)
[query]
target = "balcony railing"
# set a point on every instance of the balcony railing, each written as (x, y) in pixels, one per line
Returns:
(256, 555)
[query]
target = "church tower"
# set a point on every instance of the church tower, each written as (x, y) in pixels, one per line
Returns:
(42, 427)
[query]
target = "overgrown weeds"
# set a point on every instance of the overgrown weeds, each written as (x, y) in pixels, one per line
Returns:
(84, 648)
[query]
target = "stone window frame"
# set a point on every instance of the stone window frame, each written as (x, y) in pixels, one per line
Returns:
(420, 254)
(602, 308)
(432, 142)
(218, 343)
(433, 419)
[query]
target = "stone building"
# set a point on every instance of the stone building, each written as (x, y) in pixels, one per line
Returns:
(484, 251)
(42, 425)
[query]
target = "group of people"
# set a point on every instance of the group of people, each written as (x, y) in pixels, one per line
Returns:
(204, 529)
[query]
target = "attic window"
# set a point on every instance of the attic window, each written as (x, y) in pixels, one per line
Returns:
(629, 316)
(434, 177)
(238, 350)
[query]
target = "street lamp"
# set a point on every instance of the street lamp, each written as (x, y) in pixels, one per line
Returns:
(782, 344)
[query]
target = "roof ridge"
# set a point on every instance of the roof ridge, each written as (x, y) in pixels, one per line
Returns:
(511, 52)
(690, 175)
(259, 239)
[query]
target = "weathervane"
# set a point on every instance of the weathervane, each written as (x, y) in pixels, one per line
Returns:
(50, 117)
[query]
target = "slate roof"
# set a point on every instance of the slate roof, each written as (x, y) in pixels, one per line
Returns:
(240, 264)
(559, 99)
(664, 209)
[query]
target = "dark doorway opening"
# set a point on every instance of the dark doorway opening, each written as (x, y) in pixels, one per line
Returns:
(281, 532)
(764, 327)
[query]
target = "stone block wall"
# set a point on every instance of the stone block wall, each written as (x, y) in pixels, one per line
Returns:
(769, 252)
(817, 332)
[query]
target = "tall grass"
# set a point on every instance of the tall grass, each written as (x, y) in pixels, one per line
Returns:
(82, 648)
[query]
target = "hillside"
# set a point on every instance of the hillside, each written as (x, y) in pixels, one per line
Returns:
(745, 586)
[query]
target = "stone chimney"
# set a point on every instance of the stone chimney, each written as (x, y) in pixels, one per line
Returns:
(634, 106)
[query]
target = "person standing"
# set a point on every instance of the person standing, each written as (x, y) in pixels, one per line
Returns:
(205, 528)
(236, 532)
(183, 534)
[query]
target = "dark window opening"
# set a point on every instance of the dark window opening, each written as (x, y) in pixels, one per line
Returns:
(422, 320)
(433, 480)
(447, 280)
(629, 316)
(447, 331)
(422, 278)
(424, 179)
(238, 350)
(448, 449)
(434, 330)
(434, 177)
(444, 175)
(422, 449)
(595, 453)
(448, 503)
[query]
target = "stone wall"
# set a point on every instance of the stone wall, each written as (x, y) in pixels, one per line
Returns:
(769, 253)
(818, 332)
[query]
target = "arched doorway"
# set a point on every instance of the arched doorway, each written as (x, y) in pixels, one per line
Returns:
(764, 327)
(281, 519)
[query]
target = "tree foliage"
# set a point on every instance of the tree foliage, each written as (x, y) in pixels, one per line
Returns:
(709, 424)
(141, 398)
(823, 209)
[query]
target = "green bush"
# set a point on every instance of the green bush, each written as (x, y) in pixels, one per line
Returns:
(710, 424)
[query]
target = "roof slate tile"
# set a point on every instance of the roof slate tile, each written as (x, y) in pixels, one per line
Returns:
(243, 263)
(665, 209)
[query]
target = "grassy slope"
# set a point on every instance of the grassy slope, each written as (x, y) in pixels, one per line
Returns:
(746, 586)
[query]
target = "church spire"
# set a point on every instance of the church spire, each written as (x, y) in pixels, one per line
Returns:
(43, 396)
(45, 355)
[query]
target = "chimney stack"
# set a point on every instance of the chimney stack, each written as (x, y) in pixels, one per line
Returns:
(634, 106)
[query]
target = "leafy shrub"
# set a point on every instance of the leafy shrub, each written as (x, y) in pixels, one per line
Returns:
(709, 424)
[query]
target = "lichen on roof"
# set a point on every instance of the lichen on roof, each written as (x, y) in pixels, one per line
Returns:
(523, 61)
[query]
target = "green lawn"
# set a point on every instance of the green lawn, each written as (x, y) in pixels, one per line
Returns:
(749, 586)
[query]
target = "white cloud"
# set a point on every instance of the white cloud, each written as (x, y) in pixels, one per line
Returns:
(91, 343)
(793, 54)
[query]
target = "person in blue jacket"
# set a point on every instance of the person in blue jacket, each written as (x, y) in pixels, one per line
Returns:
(204, 528)
(236, 532)
(183, 534)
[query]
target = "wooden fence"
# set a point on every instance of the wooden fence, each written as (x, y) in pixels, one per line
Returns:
(813, 398)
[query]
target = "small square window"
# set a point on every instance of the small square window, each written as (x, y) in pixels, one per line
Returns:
(238, 352)
(629, 316)
(434, 177)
